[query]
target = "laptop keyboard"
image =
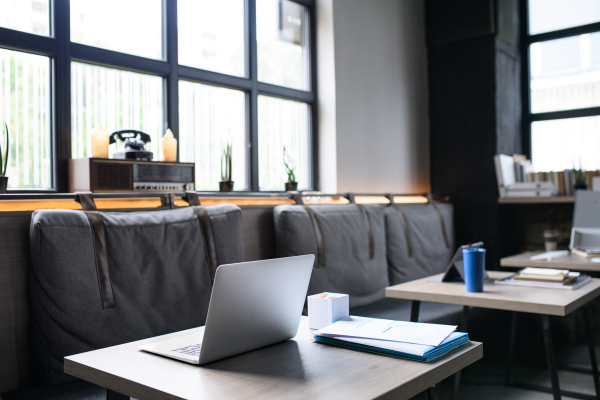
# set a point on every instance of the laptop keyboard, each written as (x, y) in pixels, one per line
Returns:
(191, 350)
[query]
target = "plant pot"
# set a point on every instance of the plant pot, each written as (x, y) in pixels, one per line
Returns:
(3, 183)
(291, 186)
(226, 186)
(581, 186)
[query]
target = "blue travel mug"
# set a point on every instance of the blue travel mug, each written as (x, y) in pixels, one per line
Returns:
(474, 263)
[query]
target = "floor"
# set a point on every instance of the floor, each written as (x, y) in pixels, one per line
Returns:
(485, 379)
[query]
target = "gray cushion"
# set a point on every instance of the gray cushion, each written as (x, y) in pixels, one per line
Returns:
(78, 390)
(430, 253)
(159, 272)
(348, 267)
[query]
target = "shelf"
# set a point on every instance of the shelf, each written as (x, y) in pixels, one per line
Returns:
(536, 200)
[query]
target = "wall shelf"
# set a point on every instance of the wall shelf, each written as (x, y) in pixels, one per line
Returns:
(536, 200)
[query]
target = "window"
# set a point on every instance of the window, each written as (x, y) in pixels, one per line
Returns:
(116, 100)
(214, 72)
(25, 108)
(283, 123)
(562, 91)
(211, 35)
(31, 16)
(282, 40)
(209, 118)
(128, 26)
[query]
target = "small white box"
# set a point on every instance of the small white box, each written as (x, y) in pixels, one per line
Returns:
(326, 308)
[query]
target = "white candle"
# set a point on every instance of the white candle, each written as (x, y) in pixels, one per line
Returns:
(99, 142)
(169, 147)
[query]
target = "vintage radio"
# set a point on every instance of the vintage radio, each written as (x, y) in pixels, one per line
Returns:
(102, 175)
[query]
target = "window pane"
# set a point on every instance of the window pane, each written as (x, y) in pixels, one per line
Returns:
(211, 35)
(560, 144)
(283, 123)
(32, 16)
(209, 118)
(116, 100)
(552, 15)
(565, 73)
(25, 107)
(282, 39)
(130, 26)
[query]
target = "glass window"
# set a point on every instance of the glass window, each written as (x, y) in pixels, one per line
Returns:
(116, 100)
(209, 118)
(283, 123)
(211, 35)
(552, 15)
(130, 26)
(562, 144)
(31, 16)
(565, 73)
(25, 107)
(282, 41)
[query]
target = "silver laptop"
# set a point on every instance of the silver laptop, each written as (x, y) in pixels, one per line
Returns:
(253, 304)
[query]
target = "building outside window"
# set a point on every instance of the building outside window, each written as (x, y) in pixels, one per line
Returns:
(214, 72)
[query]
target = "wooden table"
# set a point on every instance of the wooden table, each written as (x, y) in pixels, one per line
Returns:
(530, 300)
(570, 262)
(295, 369)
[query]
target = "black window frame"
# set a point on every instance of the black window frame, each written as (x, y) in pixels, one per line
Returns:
(525, 41)
(61, 52)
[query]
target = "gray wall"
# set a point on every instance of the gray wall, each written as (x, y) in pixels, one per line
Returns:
(373, 112)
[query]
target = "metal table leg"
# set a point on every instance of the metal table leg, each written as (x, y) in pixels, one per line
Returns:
(414, 311)
(431, 393)
(112, 395)
(594, 364)
(511, 348)
(464, 320)
(550, 357)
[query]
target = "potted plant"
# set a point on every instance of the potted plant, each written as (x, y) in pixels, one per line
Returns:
(4, 163)
(226, 184)
(291, 184)
(580, 178)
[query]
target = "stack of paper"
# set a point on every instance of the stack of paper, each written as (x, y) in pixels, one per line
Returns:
(411, 340)
(543, 274)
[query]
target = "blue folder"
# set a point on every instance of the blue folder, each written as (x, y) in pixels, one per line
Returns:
(453, 341)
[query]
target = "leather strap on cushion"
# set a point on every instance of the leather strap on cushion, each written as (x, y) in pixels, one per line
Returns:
(367, 223)
(207, 232)
(442, 223)
(100, 249)
(297, 197)
(404, 224)
(318, 237)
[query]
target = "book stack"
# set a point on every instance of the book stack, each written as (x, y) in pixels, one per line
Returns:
(546, 277)
(409, 340)
(508, 168)
(586, 252)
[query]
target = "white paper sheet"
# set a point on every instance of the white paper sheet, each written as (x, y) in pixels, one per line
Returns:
(407, 348)
(385, 329)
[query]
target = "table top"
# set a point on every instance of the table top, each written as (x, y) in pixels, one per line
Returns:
(501, 297)
(295, 369)
(571, 262)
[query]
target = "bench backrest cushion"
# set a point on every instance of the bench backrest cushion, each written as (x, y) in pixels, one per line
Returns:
(347, 264)
(430, 253)
(158, 268)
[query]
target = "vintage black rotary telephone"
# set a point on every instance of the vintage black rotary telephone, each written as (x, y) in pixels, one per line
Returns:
(133, 145)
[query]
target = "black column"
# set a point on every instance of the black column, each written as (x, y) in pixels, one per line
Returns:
(475, 108)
